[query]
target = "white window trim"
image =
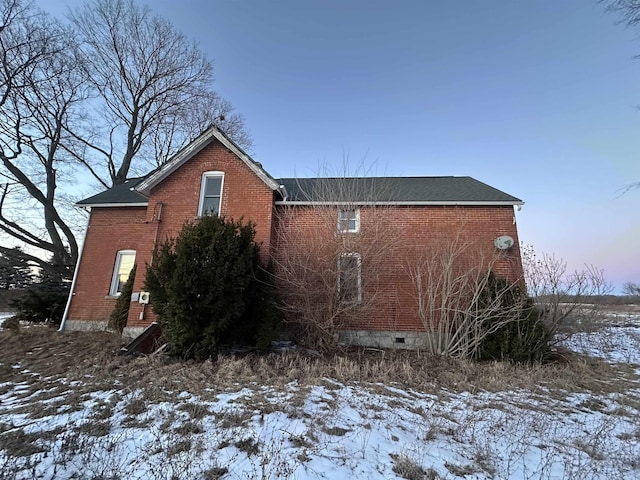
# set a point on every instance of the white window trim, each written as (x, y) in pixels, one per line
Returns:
(348, 209)
(205, 175)
(116, 269)
(356, 255)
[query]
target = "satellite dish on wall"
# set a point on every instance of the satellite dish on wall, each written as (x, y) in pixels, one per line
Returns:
(504, 242)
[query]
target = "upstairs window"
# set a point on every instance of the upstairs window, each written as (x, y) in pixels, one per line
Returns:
(124, 263)
(211, 193)
(350, 278)
(348, 220)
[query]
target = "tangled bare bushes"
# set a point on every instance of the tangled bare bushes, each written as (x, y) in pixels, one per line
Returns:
(448, 289)
(319, 266)
(563, 297)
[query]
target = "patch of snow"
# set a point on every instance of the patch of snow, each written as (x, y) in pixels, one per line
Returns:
(326, 431)
(614, 344)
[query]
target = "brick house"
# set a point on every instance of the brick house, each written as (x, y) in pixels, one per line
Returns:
(213, 175)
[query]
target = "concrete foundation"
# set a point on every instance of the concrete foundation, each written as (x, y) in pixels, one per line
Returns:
(86, 325)
(100, 326)
(132, 332)
(385, 339)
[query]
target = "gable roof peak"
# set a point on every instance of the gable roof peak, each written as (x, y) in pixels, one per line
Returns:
(194, 147)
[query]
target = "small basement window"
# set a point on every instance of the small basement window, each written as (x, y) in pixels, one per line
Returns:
(211, 193)
(124, 263)
(349, 220)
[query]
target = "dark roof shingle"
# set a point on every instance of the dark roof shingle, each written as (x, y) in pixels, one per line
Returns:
(394, 190)
(123, 194)
(402, 190)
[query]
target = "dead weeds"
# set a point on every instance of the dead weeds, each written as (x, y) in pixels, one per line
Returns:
(91, 360)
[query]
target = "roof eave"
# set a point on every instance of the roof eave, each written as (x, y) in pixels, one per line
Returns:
(145, 186)
(405, 203)
(107, 205)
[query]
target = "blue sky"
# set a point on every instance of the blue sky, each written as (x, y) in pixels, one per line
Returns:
(538, 99)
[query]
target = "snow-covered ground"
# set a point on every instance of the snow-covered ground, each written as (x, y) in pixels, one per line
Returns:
(328, 430)
(618, 343)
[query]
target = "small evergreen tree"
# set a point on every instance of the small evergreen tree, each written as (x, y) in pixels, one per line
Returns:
(208, 288)
(118, 318)
(45, 300)
(15, 271)
(523, 336)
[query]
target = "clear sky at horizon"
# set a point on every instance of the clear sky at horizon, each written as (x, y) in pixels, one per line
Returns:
(538, 99)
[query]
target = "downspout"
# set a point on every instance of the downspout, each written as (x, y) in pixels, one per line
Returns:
(157, 217)
(73, 281)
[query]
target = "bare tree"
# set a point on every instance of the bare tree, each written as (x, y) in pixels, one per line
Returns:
(176, 130)
(631, 289)
(152, 89)
(39, 90)
(564, 297)
(134, 88)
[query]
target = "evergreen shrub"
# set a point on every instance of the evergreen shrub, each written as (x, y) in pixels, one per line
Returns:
(523, 337)
(44, 301)
(209, 288)
(118, 318)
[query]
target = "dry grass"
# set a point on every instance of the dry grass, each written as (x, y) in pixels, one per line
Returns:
(17, 443)
(91, 358)
(58, 372)
(52, 373)
(407, 468)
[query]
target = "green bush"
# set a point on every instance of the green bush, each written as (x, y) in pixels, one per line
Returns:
(209, 289)
(118, 318)
(523, 336)
(44, 301)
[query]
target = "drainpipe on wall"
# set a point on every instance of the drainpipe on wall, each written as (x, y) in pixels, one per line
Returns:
(157, 218)
(73, 281)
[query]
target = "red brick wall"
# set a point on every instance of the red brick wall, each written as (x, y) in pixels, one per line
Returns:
(109, 230)
(244, 196)
(393, 238)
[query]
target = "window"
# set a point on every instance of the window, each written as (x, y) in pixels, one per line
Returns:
(124, 263)
(211, 193)
(348, 220)
(349, 278)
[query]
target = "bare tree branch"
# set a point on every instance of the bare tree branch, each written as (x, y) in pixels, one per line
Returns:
(39, 92)
(631, 289)
(150, 81)
(563, 296)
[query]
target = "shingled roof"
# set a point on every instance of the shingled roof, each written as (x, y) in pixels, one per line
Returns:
(123, 195)
(394, 191)
(359, 190)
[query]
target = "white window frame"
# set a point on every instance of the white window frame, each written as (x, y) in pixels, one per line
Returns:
(341, 221)
(203, 184)
(113, 289)
(358, 298)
